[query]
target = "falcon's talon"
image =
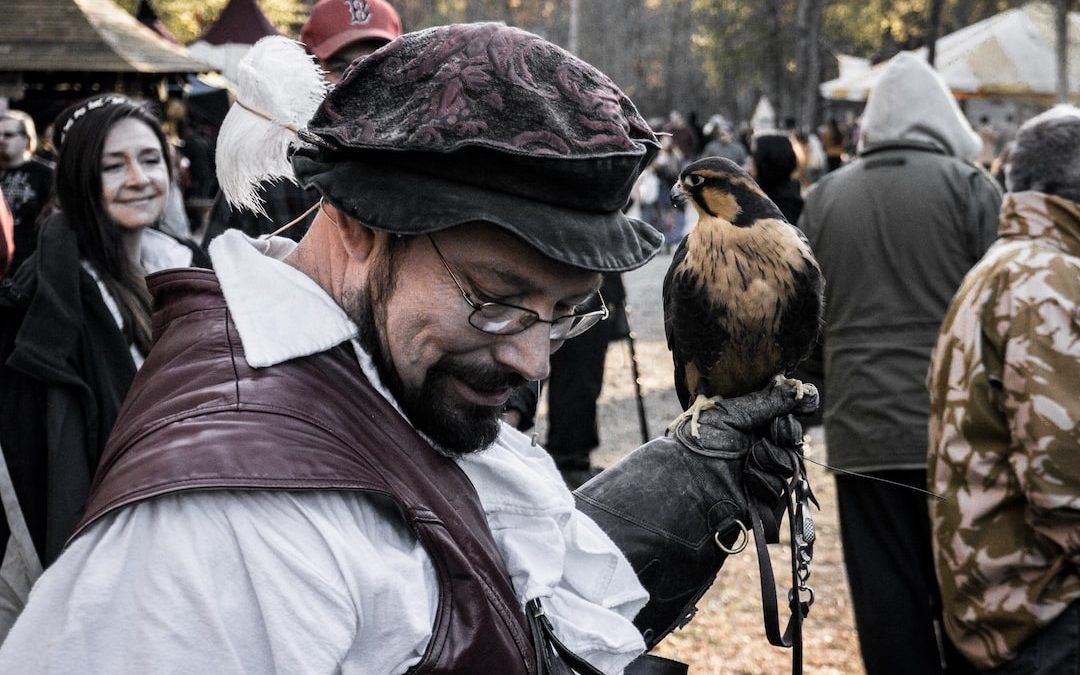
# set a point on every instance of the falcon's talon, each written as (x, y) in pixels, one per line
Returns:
(700, 405)
(800, 387)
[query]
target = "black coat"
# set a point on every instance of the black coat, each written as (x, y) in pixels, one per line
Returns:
(65, 368)
(787, 197)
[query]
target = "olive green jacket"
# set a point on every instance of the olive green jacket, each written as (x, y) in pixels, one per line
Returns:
(894, 233)
(1004, 429)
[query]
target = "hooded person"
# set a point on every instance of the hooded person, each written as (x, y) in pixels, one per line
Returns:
(894, 232)
(310, 475)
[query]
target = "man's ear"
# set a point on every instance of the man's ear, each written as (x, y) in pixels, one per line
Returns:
(357, 239)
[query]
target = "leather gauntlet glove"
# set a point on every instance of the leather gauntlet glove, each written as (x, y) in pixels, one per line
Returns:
(677, 504)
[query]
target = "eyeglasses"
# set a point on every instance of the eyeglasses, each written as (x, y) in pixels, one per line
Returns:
(500, 318)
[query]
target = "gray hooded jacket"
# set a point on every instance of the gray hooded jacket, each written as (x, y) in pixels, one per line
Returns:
(895, 232)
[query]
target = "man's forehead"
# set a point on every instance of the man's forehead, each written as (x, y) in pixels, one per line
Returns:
(498, 252)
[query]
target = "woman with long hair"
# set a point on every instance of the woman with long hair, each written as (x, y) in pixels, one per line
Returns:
(75, 325)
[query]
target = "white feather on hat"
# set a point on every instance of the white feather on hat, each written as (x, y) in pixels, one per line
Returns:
(279, 87)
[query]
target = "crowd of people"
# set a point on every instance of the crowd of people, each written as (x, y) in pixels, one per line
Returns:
(266, 456)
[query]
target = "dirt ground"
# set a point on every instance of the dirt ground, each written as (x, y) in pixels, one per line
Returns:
(727, 635)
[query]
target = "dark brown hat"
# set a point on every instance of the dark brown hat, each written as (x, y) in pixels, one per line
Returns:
(483, 122)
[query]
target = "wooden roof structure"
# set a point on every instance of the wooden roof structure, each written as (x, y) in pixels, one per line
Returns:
(84, 36)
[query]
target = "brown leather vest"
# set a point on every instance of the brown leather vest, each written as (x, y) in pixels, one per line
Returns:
(198, 417)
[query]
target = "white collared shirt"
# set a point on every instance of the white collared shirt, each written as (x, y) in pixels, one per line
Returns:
(309, 582)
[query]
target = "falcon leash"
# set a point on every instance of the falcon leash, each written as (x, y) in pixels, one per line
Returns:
(797, 497)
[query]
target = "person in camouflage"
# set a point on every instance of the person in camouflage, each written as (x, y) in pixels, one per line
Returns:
(1004, 450)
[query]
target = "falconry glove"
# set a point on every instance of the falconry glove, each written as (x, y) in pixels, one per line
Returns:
(679, 505)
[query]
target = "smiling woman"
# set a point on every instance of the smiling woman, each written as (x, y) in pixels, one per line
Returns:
(134, 175)
(75, 322)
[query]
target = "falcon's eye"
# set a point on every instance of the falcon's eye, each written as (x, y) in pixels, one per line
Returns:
(694, 180)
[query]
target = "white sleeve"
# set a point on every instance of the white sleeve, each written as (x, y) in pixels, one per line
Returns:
(233, 582)
(554, 552)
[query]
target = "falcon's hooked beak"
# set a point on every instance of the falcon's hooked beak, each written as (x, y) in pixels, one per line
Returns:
(679, 197)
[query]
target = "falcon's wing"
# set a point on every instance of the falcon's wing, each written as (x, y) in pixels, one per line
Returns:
(671, 320)
(800, 318)
(695, 336)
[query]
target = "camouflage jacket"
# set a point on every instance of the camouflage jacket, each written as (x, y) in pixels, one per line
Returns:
(1004, 435)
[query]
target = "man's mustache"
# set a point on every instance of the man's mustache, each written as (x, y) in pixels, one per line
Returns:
(481, 378)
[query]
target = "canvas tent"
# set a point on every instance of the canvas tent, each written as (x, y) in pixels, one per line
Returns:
(240, 25)
(1010, 55)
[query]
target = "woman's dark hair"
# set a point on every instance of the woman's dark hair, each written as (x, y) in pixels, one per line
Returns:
(79, 136)
(774, 160)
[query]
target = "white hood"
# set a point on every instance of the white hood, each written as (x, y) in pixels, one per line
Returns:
(912, 103)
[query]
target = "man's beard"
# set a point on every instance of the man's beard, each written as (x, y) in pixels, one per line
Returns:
(457, 427)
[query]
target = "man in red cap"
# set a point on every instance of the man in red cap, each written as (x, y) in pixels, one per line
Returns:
(337, 32)
(340, 31)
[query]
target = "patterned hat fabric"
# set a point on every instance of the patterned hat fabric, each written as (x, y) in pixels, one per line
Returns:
(484, 122)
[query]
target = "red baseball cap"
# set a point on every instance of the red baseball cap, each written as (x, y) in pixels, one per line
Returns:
(335, 24)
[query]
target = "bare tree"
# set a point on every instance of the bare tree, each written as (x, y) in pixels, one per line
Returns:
(775, 68)
(1061, 25)
(572, 38)
(933, 29)
(808, 34)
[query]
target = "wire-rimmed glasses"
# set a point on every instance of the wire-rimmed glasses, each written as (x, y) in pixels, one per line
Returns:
(500, 318)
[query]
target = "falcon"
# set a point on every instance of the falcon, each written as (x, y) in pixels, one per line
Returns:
(743, 296)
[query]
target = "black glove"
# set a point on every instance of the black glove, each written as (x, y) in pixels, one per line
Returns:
(677, 505)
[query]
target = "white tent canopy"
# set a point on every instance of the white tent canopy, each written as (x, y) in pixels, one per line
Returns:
(1011, 54)
(764, 117)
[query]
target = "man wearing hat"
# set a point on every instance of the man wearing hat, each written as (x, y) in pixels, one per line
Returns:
(337, 33)
(310, 474)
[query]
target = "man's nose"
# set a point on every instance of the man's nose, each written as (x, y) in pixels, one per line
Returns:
(528, 353)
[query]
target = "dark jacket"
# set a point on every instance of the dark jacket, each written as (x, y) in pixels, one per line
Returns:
(894, 232)
(65, 368)
(199, 417)
(787, 195)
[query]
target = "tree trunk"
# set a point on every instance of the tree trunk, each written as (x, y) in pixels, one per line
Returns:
(679, 31)
(808, 30)
(572, 38)
(1061, 25)
(933, 29)
(775, 85)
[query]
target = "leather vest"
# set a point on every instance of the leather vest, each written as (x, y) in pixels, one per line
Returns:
(198, 417)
